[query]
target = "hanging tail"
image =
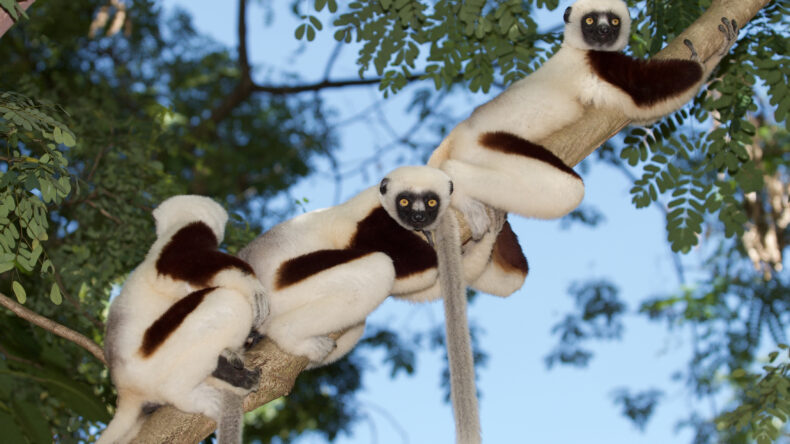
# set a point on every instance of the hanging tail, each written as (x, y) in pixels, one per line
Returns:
(232, 420)
(127, 420)
(463, 391)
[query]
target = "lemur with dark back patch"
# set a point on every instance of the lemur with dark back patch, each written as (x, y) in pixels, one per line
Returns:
(325, 271)
(176, 330)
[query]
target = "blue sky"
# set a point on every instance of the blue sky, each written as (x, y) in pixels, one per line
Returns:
(522, 400)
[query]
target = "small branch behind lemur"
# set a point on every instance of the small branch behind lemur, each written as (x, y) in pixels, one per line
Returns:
(53, 327)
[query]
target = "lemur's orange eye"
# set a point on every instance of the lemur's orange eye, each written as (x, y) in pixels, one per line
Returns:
(404, 202)
(432, 203)
(615, 22)
(589, 21)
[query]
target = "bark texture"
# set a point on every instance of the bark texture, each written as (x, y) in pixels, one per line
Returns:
(571, 144)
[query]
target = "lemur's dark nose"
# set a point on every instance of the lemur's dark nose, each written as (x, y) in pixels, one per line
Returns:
(418, 216)
(604, 29)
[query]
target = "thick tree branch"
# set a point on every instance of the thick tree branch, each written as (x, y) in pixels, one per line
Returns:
(6, 22)
(52, 326)
(572, 144)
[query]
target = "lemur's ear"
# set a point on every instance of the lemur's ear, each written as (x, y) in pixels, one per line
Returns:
(567, 16)
(383, 185)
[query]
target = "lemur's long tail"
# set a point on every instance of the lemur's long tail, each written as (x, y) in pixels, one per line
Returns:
(231, 421)
(463, 391)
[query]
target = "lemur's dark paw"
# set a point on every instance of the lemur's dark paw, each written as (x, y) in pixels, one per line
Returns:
(730, 30)
(251, 379)
(694, 56)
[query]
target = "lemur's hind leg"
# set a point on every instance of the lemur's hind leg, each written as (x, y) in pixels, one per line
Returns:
(330, 300)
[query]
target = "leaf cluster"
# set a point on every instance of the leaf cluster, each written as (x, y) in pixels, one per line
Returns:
(599, 317)
(33, 178)
(765, 406)
(444, 41)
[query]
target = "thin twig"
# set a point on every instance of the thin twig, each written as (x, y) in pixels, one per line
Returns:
(104, 212)
(322, 85)
(11, 357)
(53, 327)
(96, 163)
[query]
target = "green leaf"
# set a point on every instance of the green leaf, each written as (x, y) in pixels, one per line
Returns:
(54, 294)
(19, 291)
(33, 421)
(300, 31)
(11, 432)
(10, 7)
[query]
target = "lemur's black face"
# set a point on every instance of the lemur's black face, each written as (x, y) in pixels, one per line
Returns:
(417, 210)
(600, 29)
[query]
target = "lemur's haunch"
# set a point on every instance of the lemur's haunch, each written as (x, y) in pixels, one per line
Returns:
(175, 331)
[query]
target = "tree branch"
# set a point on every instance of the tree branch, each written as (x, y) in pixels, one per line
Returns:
(572, 144)
(6, 22)
(53, 327)
(324, 84)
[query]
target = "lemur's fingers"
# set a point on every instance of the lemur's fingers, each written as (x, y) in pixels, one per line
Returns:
(730, 30)
(694, 56)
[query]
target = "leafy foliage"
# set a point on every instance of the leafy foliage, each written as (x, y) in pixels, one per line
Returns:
(766, 402)
(33, 175)
(449, 40)
(600, 309)
(638, 407)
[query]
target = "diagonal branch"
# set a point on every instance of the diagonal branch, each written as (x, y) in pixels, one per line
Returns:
(52, 326)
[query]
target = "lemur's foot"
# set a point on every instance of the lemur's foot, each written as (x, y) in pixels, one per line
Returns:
(694, 56)
(230, 368)
(730, 30)
(476, 216)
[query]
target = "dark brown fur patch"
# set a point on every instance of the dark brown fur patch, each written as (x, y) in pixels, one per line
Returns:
(163, 327)
(646, 81)
(299, 268)
(512, 144)
(507, 252)
(379, 232)
(192, 256)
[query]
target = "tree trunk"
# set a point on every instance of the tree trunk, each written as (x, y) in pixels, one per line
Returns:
(572, 144)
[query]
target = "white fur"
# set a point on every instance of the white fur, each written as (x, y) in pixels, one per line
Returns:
(178, 372)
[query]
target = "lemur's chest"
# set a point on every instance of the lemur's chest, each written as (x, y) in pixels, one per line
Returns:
(409, 252)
